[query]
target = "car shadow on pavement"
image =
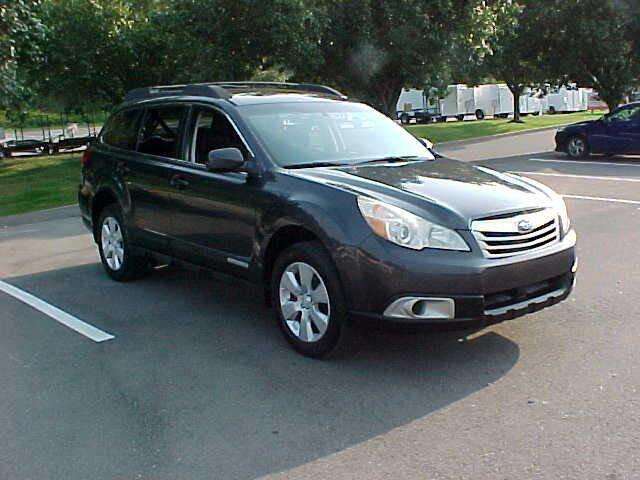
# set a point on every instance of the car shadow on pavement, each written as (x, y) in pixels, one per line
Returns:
(199, 383)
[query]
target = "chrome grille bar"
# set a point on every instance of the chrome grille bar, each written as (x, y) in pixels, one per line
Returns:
(516, 234)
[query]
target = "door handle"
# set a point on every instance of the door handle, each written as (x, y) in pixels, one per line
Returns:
(178, 182)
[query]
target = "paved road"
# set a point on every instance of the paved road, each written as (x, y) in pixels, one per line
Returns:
(198, 384)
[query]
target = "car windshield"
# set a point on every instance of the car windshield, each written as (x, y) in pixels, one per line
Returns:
(341, 133)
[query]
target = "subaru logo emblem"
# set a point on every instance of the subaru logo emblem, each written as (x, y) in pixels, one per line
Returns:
(524, 225)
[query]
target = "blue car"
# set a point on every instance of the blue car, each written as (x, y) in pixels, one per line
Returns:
(617, 133)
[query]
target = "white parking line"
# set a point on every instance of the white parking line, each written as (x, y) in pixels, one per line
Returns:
(584, 162)
(58, 315)
(603, 199)
(588, 177)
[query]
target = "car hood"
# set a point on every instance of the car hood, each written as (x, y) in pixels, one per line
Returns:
(577, 125)
(447, 191)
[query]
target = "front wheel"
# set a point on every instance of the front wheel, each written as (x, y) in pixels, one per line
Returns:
(308, 300)
(577, 147)
(118, 258)
(404, 119)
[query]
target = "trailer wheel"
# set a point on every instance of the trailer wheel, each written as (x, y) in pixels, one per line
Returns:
(552, 110)
(479, 114)
(460, 118)
(442, 119)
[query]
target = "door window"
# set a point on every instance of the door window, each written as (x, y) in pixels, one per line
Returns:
(160, 134)
(625, 114)
(212, 130)
(122, 129)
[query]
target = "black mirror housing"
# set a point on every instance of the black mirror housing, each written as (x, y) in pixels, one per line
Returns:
(225, 160)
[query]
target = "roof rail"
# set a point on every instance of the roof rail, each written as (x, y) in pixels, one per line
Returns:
(196, 90)
(220, 90)
(298, 87)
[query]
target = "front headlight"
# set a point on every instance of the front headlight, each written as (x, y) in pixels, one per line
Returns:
(406, 229)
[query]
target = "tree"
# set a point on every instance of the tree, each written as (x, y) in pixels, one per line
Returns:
(515, 49)
(20, 29)
(211, 40)
(373, 48)
(597, 43)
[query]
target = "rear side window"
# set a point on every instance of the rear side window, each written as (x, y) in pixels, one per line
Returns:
(122, 129)
(161, 131)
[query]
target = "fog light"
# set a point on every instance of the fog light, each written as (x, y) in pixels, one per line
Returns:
(421, 308)
(574, 268)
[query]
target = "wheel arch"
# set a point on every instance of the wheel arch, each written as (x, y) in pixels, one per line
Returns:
(101, 199)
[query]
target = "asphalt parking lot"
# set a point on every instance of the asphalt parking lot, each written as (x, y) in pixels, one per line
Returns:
(197, 383)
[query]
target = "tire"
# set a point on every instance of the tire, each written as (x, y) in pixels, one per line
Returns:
(307, 267)
(577, 147)
(479, 115)
(442, 119)
(117, 255)
(404, 119)
(460, 118)
(552, 110)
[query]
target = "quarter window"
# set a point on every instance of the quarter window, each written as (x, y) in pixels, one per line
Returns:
(122, 129)
(161, 131)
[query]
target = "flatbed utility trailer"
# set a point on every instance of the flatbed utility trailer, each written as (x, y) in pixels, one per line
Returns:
(418, 105)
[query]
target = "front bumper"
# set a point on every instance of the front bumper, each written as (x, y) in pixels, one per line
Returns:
(485, 291)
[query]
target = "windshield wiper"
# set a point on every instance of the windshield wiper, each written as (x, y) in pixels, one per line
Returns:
(317, 164)
(392, 159)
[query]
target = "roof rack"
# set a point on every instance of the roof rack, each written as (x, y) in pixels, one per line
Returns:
(220, 90)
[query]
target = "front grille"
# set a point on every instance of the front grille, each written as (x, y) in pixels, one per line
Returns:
(515, 234)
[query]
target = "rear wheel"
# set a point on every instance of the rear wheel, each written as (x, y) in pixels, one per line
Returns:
(307, 295)
(404, 119)
(552, 110)
(119, 259)
(577, 147)
(479, 114)
(460, 118)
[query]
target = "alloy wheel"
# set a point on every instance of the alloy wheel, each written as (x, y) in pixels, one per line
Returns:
(576, 147)
(304, 302)
(112, 243)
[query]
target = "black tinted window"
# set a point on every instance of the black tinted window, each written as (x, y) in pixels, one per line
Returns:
(212, 130)
(122, 129)
(161, 131)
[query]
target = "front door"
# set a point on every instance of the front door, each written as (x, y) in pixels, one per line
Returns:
(618, 132)
(213, 215)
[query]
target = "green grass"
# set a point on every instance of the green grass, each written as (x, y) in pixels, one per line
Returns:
(450, 131)
(36, 183)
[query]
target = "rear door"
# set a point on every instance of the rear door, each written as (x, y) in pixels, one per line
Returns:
(147, 173)
(213, 215)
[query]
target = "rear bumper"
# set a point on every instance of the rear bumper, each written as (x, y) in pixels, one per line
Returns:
(485, 291)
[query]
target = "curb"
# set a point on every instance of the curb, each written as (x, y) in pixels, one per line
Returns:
(489, 138)
(38, 216)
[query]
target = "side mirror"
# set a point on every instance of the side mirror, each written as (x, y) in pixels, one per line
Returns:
(225, 160)
(426, 143)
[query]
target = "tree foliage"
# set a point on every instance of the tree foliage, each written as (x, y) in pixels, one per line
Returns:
(597, 43)
(20, 31)
(373, 48)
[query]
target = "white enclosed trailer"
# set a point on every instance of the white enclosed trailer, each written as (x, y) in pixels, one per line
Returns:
(565, 100)
(530, 103)
(459, 102)
(494, 100)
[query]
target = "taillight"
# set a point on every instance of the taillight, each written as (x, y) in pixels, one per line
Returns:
(85, 157)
